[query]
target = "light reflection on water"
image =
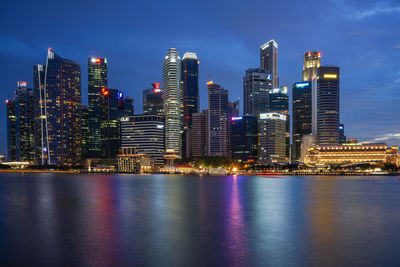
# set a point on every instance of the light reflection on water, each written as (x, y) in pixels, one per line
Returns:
(123, 220)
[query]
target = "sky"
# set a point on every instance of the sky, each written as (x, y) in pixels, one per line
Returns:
(362, 37)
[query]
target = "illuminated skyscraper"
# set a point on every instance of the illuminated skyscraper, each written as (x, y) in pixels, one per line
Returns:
(97, 79)
(24, 123)
(145, 133)
(60, 109)
(272, 141)
(113, 106)
(279, 103)
(85, 133)
(173, 102)
(256, 85)
(219, 120)
(326, 105)
(312, 61)
(11, 141)
(301, 111)
(244, 137)
(190, 82)
(191, 100)
(269, 61)
(152, 100)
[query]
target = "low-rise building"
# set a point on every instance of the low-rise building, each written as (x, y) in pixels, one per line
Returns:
(352, 153)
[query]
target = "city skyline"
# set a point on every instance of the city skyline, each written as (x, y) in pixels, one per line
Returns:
(365, 51)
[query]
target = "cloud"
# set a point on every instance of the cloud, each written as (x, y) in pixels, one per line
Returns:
(357, 14)
(397, 46)
(385, 137)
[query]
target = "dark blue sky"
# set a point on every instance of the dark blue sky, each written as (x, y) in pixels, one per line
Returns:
(360, 36)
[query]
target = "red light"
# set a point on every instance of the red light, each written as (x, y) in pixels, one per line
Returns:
(309, 53)
(104, 91)
(156, 87)
(98, 60)
(49, 48)
(6, 101)
(319, 54)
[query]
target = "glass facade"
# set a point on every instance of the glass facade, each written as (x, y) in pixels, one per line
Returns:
(97, 79)
(302, 111)
(244, 138)
(173, 102)
(113, 106)
(58, 88)
(152, 102)
(256, 85)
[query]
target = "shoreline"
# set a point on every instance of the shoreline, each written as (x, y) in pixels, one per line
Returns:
(228, 174)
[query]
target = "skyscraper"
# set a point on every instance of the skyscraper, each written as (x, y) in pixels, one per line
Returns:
(24, 123)
(200, 134)
(85, 133)
(97, 79)
(152, 100)
(173, 102)
(279, 103)
(145, 133)
(311, 62)
(244, 137)
(272, 141)
(233, 108)
(42, 152)
(326, 105)
(269, 61)
(11, 141)
(219, 120)
(190, 83)
(191, 100)
(112, 108)
(302, 111)
(60, 107)
(256, 85)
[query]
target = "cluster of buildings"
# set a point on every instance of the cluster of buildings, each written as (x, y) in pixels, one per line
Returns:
(48, 125)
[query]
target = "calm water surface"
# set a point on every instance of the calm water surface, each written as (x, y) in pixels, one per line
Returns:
(124, 220)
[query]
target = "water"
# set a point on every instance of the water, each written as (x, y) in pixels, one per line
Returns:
(124, 220)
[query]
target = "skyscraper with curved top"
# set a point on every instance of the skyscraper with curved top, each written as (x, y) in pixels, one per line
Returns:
(59, 91)
(173, 102)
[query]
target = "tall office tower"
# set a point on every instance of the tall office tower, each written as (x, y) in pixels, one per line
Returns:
(191, 100)
(190, 83)
(342, 137)
(269, 61)
(312, 61)
(272, 141)
(97, 79)
(152, 100)
(301, 110)
(244, 138)
(234, 108)
(85, 133)
(256, 85)
(326, 105)
(173, 102)
(60, 107)
(219, 120)
(200, 134)
(279, 103)
(112, 108)
(24, 123)
(145, 133)
(11, 142)
(42, 152)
